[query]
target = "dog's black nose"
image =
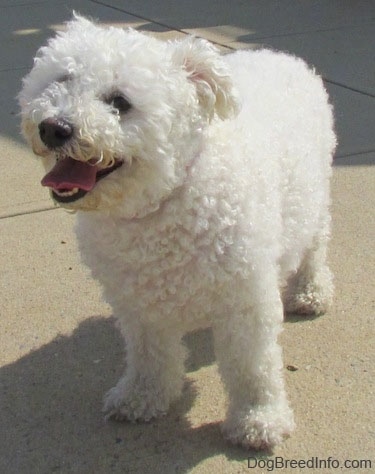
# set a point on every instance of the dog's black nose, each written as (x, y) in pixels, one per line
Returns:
(55, 132)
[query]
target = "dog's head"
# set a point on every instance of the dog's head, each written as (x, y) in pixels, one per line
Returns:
(118, 116)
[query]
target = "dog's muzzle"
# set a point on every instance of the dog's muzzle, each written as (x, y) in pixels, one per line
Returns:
(70, 179)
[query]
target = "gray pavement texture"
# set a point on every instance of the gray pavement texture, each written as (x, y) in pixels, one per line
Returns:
(60, 350)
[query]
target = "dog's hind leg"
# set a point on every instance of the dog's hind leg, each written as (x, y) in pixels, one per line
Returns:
(310, 290)
(250, 363)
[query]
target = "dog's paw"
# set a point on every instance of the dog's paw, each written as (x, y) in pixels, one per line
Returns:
(310, 296)
(311, 301)
(134, 402)
(260, 428)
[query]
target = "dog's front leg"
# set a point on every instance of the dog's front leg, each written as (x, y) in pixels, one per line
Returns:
(153, 377)
(250, 362)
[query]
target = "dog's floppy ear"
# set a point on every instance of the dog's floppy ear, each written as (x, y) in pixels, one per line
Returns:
(207, 70)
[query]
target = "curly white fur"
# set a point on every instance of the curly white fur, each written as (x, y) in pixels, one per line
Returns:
(222, 199)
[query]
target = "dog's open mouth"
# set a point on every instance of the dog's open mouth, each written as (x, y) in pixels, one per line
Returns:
(70, 179)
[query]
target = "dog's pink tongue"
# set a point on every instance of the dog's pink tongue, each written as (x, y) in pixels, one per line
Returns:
(68, 174)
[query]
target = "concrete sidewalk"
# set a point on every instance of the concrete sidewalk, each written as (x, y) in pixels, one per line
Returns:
(60, 351)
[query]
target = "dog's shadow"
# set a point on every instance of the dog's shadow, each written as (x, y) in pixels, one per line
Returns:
(51, 419)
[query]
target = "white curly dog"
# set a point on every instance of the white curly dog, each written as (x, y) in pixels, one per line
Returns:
(201, 185)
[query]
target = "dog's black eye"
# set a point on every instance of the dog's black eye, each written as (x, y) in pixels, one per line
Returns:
(119, 103)
(64, 78)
